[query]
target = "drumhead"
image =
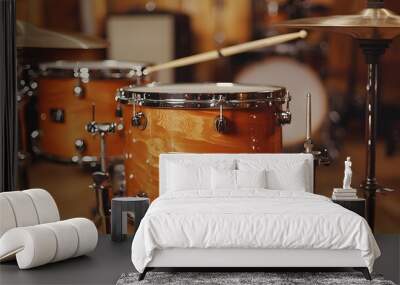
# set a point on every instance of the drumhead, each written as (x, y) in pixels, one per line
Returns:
(203, 88)
(201, 95)
(299, 79)
(102, 69)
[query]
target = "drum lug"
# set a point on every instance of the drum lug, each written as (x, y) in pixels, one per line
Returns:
(221, 124)
(139, 121)
(284, 117)
(80, 145)
(118, 111)
(120, 127)
(79, 91)
(323, 157)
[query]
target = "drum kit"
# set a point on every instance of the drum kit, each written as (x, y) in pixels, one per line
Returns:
(102, 112)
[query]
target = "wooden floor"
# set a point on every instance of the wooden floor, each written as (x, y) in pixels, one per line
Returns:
(69, 184)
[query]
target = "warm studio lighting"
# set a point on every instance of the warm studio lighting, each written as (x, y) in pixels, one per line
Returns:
(222, 140)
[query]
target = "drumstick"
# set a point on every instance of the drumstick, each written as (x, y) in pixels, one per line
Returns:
(228, 51)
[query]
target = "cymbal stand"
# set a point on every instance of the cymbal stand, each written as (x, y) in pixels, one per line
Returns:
(321, 157)
(373, 51)
(101, 179)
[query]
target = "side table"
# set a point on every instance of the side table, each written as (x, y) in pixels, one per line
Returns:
(355, 205)
(120, 207)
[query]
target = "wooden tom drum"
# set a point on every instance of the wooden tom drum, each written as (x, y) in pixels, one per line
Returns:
(66, 92)
(197, 118)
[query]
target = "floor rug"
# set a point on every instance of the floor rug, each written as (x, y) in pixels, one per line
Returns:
(244, 278)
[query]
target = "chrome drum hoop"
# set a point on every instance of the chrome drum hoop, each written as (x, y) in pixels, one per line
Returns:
(188, 100)
(106, 69)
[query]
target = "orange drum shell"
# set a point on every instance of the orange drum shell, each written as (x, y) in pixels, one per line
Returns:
(192, 130)
(57, 139)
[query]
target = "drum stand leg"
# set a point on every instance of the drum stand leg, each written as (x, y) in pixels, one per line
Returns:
(101, 179)
(102, 187)
(373, 50)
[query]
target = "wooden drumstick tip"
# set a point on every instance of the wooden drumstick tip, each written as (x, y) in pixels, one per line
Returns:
(303, 34)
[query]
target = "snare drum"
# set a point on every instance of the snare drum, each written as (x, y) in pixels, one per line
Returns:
(66, 92)
(197, 118)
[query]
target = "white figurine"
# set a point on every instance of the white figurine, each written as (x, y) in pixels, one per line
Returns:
(347, 174)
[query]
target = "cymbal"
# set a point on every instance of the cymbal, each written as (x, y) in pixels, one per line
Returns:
(30, 36)
(369, 24)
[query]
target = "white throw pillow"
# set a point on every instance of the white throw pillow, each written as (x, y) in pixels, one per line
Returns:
(251, 178)
(188, 175)
(291, 180)
(281, 174)
(223, 179)
(236, 179)
(183, 177)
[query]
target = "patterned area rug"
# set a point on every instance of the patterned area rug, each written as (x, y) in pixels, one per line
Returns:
(243, 278)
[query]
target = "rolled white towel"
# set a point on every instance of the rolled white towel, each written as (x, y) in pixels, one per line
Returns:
(33, 246)
(66, 238)
(45, 205)
(7, 218)
(23, 208)
(37, 245)
(87, 235)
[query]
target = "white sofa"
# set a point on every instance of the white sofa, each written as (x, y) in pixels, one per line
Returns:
(31, 231)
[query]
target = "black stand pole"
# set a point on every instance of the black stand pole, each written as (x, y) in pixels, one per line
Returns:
(373, 50)
(8, 99)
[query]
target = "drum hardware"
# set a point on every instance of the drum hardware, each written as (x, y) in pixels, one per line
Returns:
(101, 187)
(118, 111)
(308, 144)
(221, 122)
(27, 84)
(90, 81)
(80, 145)
(275, 95)
(321, 157)
(57, 115)
(101, 179)
(119, 114)
(139, 119)
(79, 90)
(82, 74)
(102, 129)
(374, 28)
(284, 117)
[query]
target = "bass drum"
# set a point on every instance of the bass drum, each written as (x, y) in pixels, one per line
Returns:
(66, 92)
(299, 79)
(196, 118)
